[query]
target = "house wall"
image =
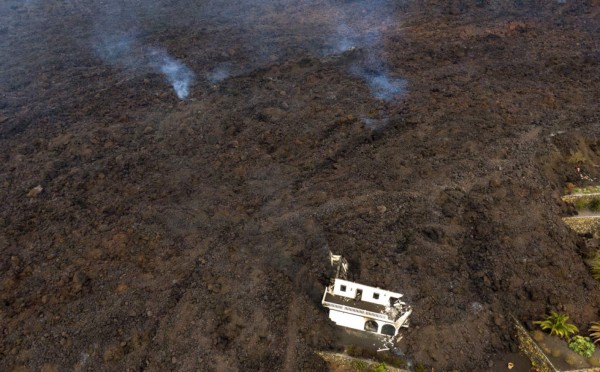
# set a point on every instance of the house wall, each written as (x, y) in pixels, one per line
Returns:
(367, 292)
(353, 321)
(347, 320)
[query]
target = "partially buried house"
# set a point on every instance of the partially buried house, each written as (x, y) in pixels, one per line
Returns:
(362, 307)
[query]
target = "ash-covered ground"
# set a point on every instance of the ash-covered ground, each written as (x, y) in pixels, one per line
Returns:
(197, 160)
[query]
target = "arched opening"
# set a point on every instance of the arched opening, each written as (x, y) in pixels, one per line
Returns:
(371, 326)
(388, 329)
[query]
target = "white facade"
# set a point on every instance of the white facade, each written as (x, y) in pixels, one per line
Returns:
(363, 307)
(373, 295)
(360, 323)
(349, 320)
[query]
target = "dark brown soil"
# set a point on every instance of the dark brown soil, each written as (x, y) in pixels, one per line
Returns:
(193, 235)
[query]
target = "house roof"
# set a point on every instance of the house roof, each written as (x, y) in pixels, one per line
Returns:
(364, 287)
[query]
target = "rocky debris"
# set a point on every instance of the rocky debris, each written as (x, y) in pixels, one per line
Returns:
(80, 280)
(34, 192)
(199, 230)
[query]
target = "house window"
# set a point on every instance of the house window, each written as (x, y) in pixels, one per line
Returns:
(343, 288)
(388, 329)
(376, 296)
(371, 326)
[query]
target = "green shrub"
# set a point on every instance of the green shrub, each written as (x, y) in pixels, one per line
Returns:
(582, 190)
(581, 204)
(359, 365)
(391, 360)
(594, 205)
(351, 350)
(582, 346)
(595, 266)
(380, 368)
(577, 157)
(420, 368)
(557, 324)
(595, 331)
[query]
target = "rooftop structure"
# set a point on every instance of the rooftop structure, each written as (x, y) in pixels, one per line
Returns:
(362, 307)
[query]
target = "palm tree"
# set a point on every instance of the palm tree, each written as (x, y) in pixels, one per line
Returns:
(595, 331)
(557, 324)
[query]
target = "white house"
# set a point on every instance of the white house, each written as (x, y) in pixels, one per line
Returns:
(362, 307)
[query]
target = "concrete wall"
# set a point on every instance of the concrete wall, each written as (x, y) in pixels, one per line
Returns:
(353, 321)
(347, 320)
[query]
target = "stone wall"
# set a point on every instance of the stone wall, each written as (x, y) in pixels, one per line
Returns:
(583, 225)
(575, 197)
(532, 350)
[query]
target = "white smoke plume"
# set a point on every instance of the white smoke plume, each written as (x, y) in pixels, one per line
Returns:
(361, 27)
(344, 39)
(381, 84)
(239, 37)
(178, 75)
(126, 52)
(218, 74)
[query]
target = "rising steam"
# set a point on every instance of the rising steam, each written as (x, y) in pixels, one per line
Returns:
(127, 52)
(218, 74)
(177, 74)
(362, 27)
(381, 84)
(243, 36)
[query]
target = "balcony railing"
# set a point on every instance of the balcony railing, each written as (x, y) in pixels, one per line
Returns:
(354, 310)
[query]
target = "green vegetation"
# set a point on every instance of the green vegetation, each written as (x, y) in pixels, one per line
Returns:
(581, 204)
(380, 368)
(420, 368)
(595, 331)
(582, 346)
(359, 365)
(590, 204)
(557, 324)
(583, 190)
(595, 267)
(577, 157)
